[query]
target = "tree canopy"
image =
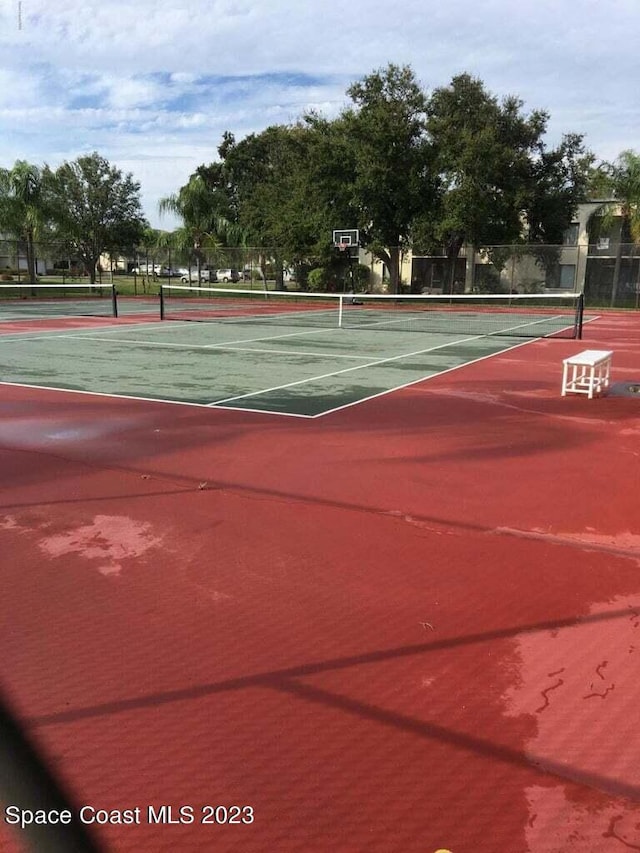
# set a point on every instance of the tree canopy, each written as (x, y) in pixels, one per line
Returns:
(498, 182)
(203, 225)
(409, 169)
(23, 207)
(94, 208)
(391, 180)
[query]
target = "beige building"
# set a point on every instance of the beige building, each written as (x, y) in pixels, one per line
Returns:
(584, 263)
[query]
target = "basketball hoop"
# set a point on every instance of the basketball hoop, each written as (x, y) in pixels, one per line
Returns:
(346, 238)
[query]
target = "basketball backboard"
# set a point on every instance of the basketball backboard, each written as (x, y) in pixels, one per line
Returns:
(346, 237)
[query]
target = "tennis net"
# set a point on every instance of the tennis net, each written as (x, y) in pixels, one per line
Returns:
(38, 301)
(516, 315)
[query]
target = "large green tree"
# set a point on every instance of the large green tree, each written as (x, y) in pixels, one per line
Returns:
(484, 149)
(290, 186)
(559, 180)
(268, 183)
(96, 208)
(406, 169)
(221, 183)
(23, 207)
(389, 169)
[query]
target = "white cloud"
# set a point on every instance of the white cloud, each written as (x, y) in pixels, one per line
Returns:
(125, 93)
(17, 90)
(156, 83)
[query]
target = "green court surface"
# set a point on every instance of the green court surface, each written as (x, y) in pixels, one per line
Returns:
(285, 370)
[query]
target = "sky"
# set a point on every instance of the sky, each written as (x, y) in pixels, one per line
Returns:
(152, 85)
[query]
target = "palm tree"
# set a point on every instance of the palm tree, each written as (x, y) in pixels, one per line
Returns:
(201, 227)
(621, 181)
(23, 207)
(149, 244)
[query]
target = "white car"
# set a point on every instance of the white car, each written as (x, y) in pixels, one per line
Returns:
(187, 276)
(227, 275)
(154, 270)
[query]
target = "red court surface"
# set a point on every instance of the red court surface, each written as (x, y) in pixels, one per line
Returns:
(408, 626)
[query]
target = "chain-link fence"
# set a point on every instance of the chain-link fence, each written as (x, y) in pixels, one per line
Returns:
(139, 269)
(612, 275)
(530, 268)
(607, 272)
(222, 265)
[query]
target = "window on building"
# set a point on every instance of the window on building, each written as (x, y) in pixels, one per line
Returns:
(570, 236)
(567, 276)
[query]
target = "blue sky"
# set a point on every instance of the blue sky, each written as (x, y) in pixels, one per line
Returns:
(153, 85)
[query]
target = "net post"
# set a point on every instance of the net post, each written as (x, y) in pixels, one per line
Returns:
(161, 294)
(579, 316)
(114, 300)
(340, 304)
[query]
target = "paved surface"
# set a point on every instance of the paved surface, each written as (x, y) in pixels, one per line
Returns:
(407, 626)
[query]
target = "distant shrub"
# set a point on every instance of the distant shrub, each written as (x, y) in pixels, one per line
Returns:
(318, 279)
(361, 276)
(487, 280)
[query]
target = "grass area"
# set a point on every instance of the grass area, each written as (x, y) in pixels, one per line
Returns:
(130, 285)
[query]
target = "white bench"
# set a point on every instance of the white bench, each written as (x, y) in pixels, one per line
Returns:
(587, 372)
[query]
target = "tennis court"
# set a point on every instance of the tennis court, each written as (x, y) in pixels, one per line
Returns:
(285, 353)
(402, 617)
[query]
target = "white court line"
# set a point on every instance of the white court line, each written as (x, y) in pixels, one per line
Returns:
(287, 352)
(177, 325)
(77, 333)
(423, 379)
(269, 337)
(271, 411)
(26, 318)
(254, 318)
(147, 399)
(136, 343)
(219, 403)
(29, 336)
(439, 373)
(501, 332)
(211, 406)
(364, 326)
(348, 369)
(82, 334)
(228, 346)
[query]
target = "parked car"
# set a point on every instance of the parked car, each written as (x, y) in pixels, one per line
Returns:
(155, 270)
(227, 275)
(187, 276)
